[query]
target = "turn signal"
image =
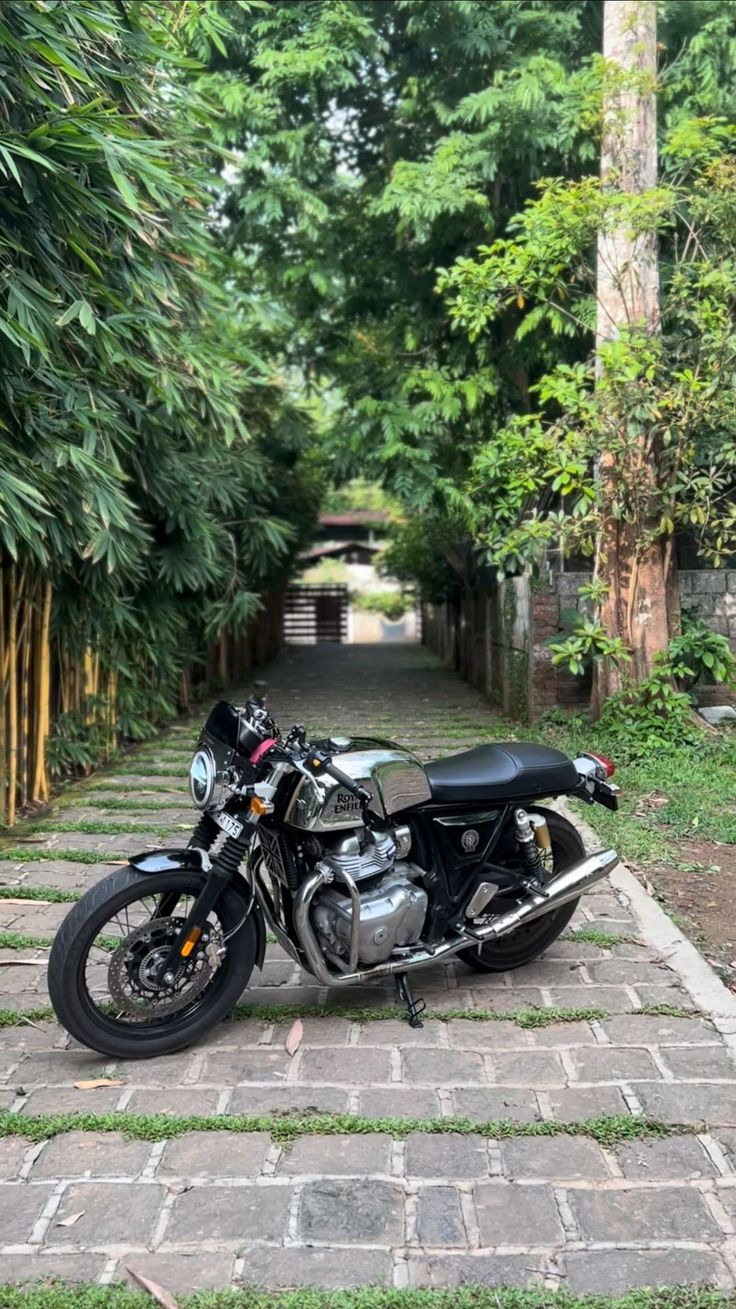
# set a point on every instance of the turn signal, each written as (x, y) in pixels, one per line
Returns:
(260, 807)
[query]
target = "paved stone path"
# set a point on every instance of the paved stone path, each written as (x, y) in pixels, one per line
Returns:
(215, 1208)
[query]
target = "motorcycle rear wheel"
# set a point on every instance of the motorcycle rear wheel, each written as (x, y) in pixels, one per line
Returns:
(528, 942)
(94, 1022)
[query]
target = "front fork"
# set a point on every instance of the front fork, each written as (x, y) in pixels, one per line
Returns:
(220, 874)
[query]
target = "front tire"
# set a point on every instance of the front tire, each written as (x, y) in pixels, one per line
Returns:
(527, 943)
(69, 962)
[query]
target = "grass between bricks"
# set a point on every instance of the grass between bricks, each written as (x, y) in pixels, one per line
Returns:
(18, 855)
(525, 1018)
(597, 936)
(364, 1297)
(607, 1130)
(51, 894)
(97, 827)
(123, 806)
(118, 788)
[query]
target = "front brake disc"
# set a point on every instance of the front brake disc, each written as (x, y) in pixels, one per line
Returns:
(133, 972)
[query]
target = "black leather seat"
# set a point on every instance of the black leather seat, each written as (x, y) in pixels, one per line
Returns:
(507, 771)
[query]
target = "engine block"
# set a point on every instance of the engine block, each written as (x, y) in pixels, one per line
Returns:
(392, 914)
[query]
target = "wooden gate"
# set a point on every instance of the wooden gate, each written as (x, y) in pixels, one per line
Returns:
(316, 613)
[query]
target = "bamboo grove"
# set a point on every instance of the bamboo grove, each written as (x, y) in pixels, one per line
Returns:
(152, 481)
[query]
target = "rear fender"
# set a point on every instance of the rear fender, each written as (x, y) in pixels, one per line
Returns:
(198, 861)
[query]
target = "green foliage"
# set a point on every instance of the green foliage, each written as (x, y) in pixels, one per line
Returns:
(392, 604)
(150, 456)
(701, 655)
(652, 716)
(587, 642)
(418, 554)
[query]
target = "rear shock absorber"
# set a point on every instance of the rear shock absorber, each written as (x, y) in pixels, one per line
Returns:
(532, 840)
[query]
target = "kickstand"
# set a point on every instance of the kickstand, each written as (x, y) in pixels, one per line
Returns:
(413, 1007)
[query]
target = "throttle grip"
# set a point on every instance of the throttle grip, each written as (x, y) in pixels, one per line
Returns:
(349, 783)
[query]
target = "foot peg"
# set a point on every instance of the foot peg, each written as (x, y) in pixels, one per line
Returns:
(414, 1008)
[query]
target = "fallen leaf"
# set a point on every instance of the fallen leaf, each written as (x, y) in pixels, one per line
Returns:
(10, 962)
(158, 1293)
(92, 1083)
(72, 1219)
(294, 1038)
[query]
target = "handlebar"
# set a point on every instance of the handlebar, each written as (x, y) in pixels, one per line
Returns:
(349, 783)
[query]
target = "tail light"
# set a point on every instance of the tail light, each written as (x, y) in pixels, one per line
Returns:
(607, 765)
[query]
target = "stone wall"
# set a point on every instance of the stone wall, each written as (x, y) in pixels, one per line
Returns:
(495, 635)
(710, 594)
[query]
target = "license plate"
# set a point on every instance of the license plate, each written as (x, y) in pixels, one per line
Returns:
(228, 824)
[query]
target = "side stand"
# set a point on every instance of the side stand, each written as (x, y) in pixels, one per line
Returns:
(414, 1008)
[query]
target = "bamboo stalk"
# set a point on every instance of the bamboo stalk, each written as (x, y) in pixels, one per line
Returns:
(40, 778)
(12, 742)
(24, 760)
(88, 685)
(3, 699)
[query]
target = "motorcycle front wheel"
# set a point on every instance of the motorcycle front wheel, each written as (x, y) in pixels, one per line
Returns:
(528, 942)
(103, 968)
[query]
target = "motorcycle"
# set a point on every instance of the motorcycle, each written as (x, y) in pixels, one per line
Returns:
(371, 866)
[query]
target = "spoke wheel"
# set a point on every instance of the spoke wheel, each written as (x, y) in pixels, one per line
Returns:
(105, 966)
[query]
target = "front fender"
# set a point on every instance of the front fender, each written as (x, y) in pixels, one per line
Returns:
(194, 860)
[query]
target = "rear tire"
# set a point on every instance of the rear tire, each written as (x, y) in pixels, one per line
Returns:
(527, 943)
(69, 957)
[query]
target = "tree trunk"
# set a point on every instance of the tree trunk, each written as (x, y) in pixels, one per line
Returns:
(636, 609)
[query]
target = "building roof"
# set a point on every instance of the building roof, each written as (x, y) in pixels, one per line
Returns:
(355, 518)
(328, 549)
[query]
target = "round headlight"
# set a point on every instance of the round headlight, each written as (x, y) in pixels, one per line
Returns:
(202, 778)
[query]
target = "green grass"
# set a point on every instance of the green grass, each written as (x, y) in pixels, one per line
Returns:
(685, 793)
(12, 1018)
(20, 856)
(125, 806)
(21, 941)
(666, 1011)
(94, 827)
(364, 1297)
(145, 769)
(50, 893)
(527, 1018)
(286, 1013)
(607, 1130)
(119, 788)
(597, 936)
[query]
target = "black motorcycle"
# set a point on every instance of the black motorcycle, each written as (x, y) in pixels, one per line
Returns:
(369, 866)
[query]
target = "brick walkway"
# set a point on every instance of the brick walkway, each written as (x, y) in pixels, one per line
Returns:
(219, 1208)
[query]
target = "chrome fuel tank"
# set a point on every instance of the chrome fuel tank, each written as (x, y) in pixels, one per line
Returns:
(393, 775)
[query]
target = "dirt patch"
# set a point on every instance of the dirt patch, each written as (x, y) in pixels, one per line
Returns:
(699, 892)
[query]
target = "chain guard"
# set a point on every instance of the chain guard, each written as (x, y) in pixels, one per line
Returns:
(132, 972)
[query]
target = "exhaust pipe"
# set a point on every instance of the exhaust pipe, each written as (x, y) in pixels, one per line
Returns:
(561, 890)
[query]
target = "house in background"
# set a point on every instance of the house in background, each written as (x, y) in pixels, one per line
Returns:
(339, 594)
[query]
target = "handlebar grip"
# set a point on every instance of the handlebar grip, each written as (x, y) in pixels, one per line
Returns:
(349, 783)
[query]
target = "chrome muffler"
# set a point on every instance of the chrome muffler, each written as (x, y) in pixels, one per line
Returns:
(563, 888)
